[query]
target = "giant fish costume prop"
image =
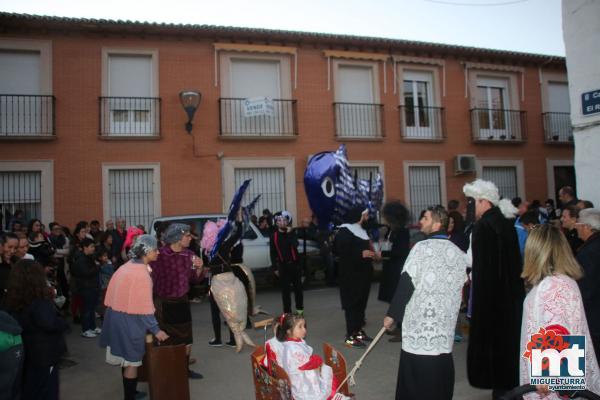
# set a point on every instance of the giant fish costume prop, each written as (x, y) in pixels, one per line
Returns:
(332, 190)
(228, 291)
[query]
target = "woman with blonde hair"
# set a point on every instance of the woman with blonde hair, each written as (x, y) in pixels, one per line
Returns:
(554, 302)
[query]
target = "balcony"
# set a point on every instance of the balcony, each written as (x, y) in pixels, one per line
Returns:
(494, 125)
(557, 128)
(129, 117)
(235, 124)
(26, 116)
(358, 121)
(422, 123)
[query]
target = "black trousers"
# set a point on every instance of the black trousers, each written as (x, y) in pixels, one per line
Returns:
(355, 312)
(39, 383)
(61, 277)
(215, 314)
(425, 377)
(290, 275)
(11, 372)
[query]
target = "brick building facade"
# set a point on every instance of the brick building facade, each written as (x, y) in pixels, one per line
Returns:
(91, 124)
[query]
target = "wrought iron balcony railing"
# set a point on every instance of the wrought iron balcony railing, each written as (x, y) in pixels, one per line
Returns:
(27, 116)
(557, 127)
(129, 116)
(492, 125)
(358, 120)
(234, 121)
(422, 123)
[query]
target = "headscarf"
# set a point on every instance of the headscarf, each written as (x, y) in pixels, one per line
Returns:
(143, 245)
(175, 232)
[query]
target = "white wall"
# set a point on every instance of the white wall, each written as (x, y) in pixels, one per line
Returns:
(581, 31)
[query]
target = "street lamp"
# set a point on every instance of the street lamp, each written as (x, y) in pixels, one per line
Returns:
(190, 99)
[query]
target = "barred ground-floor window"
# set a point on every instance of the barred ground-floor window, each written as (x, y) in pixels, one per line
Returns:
(132, 192)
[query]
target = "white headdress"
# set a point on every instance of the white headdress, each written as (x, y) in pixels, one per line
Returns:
(482, 190)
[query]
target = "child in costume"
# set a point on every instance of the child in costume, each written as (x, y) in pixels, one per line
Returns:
(310, 378)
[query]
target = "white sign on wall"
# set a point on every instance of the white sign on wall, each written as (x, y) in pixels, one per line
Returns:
(258, 106)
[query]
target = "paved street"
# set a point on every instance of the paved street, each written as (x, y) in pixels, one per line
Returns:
(227, 375)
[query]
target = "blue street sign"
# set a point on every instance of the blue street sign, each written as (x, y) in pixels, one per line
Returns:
(590, 102)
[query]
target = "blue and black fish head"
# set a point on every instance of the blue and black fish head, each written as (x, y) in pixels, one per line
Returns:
(320, 178)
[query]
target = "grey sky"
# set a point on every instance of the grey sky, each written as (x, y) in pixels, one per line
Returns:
(532, 25)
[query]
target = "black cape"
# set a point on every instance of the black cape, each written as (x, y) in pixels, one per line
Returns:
(497, 304)
(355, 272)
(392, 267)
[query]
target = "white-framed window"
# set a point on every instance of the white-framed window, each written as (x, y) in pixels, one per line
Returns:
(273, 179)
(27, 186)
(26, 102)
(130, 105)
(247, 75)
(358, 112)
(495, 113)
(421, 117)
(131, 191)
(507, 175)
(424, 185)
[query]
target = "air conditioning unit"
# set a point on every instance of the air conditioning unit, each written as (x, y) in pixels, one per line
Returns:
(464, 163)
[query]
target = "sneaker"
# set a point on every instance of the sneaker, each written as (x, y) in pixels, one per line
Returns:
(231, 343)
(89, 334)
(194, 375)
(215, 343)
(353, 341)
(98, 331)
(300, 312)
(362, 336)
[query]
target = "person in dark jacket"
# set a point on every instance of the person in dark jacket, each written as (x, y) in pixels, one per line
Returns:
(497, 293)
(285, 260)
(396, 216)
(568, 221)
(87, 281)
(588, 256)
(456, 230)
(29, 300)
(353, 247)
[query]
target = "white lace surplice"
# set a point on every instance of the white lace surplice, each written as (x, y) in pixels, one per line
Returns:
(306, 385)
(557, 300)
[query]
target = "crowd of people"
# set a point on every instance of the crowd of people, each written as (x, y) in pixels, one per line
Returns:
(512, 266)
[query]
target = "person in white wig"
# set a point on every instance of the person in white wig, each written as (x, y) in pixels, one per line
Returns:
(497, 292)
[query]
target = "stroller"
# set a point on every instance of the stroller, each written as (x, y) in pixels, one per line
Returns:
(518, 393)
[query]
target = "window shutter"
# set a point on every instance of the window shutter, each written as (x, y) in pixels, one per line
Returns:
(254, 78)
(19, 72)
(130, 75)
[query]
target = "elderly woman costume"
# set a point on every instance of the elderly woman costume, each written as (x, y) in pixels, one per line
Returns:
(130, 313)
(172, 273)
